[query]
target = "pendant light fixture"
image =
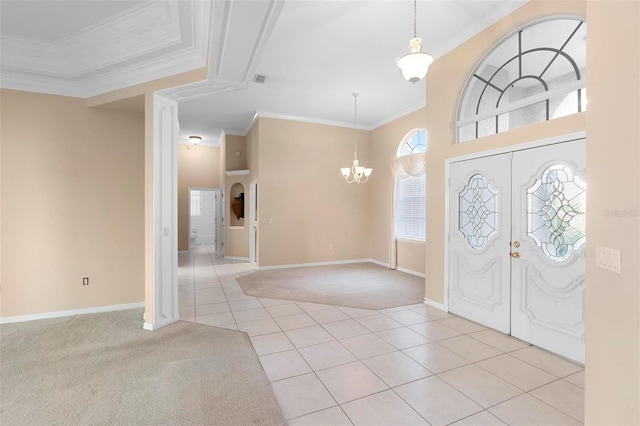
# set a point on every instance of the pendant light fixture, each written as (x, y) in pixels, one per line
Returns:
(415, 64)
(357, 173)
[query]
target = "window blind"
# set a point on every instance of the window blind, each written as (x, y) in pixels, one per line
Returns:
(411, 210)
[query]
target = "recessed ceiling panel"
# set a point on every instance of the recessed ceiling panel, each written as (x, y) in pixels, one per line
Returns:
(53, 20)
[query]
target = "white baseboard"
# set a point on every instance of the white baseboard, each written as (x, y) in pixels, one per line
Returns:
(242, 259)
(60, 314)
(147, 326)
(377, 262)
(435, 304)
(410, 272)
(340, 262)
(302, 265)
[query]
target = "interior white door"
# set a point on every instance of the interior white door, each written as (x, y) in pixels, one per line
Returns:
(202, 217)
(479, 236)
(548, 232)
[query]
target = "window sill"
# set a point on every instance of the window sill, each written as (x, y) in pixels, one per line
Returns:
(411, 240)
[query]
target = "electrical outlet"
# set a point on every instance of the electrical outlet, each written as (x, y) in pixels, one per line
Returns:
(85, 281)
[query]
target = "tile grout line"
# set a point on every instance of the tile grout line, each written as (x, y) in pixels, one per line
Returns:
(238, 274)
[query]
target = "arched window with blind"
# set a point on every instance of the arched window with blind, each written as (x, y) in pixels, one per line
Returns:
(409, 198)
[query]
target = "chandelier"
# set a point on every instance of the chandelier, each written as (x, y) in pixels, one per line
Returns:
(357, 173)
(415, 64)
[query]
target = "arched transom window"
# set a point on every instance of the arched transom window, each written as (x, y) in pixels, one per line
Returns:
(535, 74)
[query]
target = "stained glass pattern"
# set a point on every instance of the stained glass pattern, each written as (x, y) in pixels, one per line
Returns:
(556, 212)
(477, 211)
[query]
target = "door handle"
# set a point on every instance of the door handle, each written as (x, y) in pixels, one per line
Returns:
(516, 244)
(515, 254)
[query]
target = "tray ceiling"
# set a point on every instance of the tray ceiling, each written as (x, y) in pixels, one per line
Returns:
(314, 53)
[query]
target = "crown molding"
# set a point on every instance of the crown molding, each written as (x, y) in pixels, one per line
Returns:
(266, 114)
(153, 40)
(146, 30)
(195, 90)
(480, 24)
(400, 114)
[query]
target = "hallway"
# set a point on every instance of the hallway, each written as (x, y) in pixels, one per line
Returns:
(415, 365)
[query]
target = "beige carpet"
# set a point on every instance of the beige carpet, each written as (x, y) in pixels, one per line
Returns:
(104, 369)
(356, 285)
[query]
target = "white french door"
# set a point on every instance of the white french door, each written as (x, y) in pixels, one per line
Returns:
(517, 233)
(479, 235)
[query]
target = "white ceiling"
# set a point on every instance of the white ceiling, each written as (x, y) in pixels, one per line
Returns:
(314, 53)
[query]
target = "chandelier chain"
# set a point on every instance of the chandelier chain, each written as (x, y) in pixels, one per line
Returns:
(357, 173)
(415, 14)
(355, 125)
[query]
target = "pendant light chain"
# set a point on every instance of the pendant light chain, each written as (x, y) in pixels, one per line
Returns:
(415, 14)
(415, 64)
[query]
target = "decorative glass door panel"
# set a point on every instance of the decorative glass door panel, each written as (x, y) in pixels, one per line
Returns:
(556, 205)
(479, 216)
(477, 211)
(547, 279)
(516, 244)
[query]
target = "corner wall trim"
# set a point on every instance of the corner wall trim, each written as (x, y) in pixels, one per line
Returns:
(60, 314)
(147, 326)
(435, 304)
(377, 262)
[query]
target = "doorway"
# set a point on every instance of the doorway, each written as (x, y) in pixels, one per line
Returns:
(203, 217)
(517, 244)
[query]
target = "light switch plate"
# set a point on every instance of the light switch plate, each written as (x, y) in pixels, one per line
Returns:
(608, 259)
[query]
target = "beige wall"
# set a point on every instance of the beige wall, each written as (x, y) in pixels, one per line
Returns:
(115, 99)
(72, 205)
(445, 82)
(410, 256)
(252, 147)
(384, 145)
(251, 144)
(307, 212)
(612, 301)
(613, 161)
(222, 177)
(198, 167)
(236, 145)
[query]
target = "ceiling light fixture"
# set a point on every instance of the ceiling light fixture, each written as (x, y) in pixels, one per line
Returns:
(415, 64)
(357, 173)
(195, 139)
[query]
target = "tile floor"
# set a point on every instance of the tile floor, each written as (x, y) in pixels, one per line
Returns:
(412, 365)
